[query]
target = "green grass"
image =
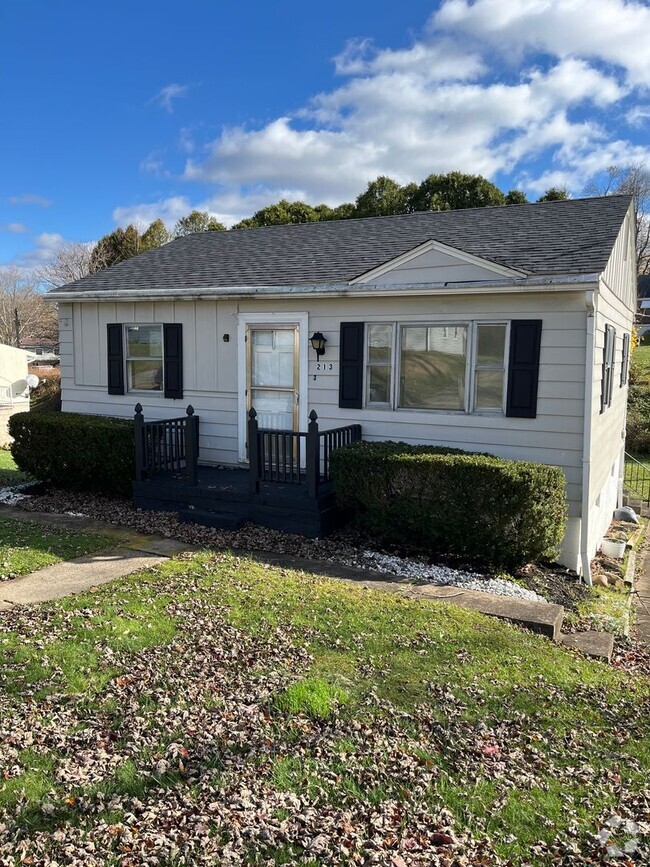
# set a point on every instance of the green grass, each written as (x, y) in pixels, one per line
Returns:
(642, 360)
(9, 472)
(372, 658)
(26, 546)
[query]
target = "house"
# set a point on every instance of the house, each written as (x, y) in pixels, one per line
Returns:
(14, 391)
(503, 330)
(43, 355)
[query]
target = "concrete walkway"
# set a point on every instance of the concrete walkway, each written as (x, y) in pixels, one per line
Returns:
(132, 551)
(642, 587)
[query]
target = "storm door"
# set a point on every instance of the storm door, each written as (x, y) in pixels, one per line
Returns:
(272, 376)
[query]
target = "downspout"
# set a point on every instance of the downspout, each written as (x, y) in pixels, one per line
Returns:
(585, 558)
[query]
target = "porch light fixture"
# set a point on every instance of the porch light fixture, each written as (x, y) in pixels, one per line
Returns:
(318, 343)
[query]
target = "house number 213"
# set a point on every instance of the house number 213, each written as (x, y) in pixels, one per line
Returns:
(324, 365)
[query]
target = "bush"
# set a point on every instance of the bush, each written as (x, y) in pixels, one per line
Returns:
(74, 451)
(47, 396)
(637, 435)
(480, 508)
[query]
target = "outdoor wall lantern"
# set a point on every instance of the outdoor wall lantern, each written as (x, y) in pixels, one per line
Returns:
(318, 343)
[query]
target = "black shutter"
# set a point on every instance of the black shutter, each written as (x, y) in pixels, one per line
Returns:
(173, 360)
(523, 370)
(351, 365)
(115, 344)
(606, 386)
(625, 362)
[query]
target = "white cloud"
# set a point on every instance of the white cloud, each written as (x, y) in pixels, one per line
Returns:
(166, 96)
(611, 31)
(30, 199)
(45, 246)
(638, 115)
(14, 228)
(490, 87)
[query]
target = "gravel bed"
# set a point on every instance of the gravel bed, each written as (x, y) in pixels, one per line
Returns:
(346, 547)
(430, 573)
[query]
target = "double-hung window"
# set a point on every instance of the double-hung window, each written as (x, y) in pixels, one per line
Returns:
(379, 364)
(144, 357)
(459, 367)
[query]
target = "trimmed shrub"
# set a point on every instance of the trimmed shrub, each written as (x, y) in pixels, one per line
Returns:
(483, 509)
(75, 451)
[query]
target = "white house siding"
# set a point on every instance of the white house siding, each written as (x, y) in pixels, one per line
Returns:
(210, 374)
(13, 395)
(615, 306)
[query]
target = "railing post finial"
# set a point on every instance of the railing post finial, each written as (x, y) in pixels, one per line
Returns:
(138, 409)
(313, 415)
(252, 413)
(190, 410)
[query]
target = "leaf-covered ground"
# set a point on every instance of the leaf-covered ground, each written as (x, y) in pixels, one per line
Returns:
(219, 710)
(26, 547)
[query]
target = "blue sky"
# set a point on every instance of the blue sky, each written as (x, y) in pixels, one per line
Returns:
(127, 111)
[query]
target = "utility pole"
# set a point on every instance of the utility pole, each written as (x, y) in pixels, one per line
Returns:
(17, 327)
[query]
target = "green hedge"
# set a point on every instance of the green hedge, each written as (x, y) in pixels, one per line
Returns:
(74, 451)
(480, 508)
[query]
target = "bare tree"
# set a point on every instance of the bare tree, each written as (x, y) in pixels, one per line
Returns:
(632, 180)
(71, 262)
(24, 312)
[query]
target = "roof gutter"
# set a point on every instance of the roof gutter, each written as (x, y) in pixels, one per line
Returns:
(328, 290)
(591, 303)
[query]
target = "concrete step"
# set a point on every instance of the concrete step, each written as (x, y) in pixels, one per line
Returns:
(599, 645)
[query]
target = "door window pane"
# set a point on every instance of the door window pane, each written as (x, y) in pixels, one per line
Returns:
(433, 367)
(272, 358)
(274, 408)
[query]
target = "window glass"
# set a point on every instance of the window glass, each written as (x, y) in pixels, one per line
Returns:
(379, 368)
(144, 357)
(490, 366)
(272, 361)
(433, 367)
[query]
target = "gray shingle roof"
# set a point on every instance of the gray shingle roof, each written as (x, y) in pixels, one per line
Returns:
(549, 238)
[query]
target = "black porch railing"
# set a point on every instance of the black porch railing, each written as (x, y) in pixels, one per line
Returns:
(295, 457)
(167, 446)
(277, 456)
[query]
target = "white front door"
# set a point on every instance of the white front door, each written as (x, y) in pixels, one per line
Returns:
(272, 376)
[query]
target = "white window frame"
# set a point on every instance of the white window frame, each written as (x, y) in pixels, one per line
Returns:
(128, 358)
(367, 364)
(470, 366)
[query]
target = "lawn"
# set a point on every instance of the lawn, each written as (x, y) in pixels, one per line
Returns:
(220, 710)
(26, 546)
(9, 472)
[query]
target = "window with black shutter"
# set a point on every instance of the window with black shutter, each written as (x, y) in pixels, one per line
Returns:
(351, 365)
(145, 358)
(523, 367)
(625, 359)
(607, 382)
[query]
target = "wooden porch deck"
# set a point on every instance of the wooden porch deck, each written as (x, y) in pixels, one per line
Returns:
(222, 498)
(286, 487)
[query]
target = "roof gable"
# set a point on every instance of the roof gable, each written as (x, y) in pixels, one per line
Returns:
(433, 262)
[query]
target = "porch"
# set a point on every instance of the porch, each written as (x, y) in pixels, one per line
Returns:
(286, 486)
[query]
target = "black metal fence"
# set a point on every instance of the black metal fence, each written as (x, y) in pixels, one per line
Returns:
(637, 479)
(167, 446)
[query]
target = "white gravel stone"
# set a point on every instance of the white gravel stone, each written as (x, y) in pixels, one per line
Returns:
(421, 571)
(11, 496)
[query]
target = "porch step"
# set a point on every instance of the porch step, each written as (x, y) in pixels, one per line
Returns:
(218, 520)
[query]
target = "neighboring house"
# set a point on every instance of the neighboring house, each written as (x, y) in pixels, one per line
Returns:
(14, 392)
(43, 355)
(504, 330)
(643, 293)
